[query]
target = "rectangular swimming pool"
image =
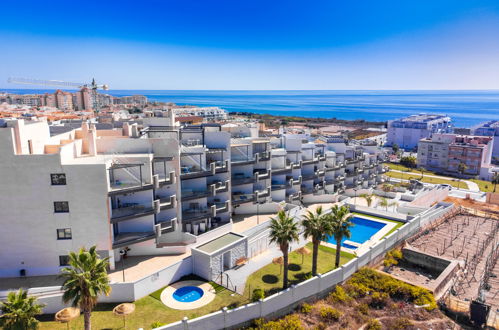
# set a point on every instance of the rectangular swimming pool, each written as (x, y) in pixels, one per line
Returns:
(362, 230)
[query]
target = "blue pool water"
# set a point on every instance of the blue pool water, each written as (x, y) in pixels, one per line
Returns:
(188, 294)
(362, 230)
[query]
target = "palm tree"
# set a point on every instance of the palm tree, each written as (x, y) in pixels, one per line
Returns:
(341, 221)
(461, 168)
(283, 231)
(19, 311)
(84, 280)
(369, 198)
(495, 180)
(394, 204)
(422, 169)
(317, 228)
(384, 203)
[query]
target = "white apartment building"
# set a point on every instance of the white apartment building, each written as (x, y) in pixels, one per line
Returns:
(490, 128)
(407, 132)
(208, 113)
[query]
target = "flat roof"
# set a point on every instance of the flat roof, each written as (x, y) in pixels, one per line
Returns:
(219, 242)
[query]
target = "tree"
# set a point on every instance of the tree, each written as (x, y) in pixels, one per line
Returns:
(317, 228)
(84, 280)
(369, 198)
(409, 161)
(384, 203)
(19, 311)
(422, 169)
(283, 231)
(395, 148)
(341, 221)
(495, 180)
(461, 168)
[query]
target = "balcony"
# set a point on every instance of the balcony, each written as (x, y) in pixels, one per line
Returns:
(193, 172)
(166, 203)
(195, 214)
(276, 187)
(188, 194)
(219, 207)
(295, 196)
(238, 198)
(218, 187)
(241, 179)
(319, 173)
(306, 190)
(261, 175)
(159, 180)
(128, 211)
(293, 182)
(242, 160)
(124, 239)
(134, 180)
(263, 156)
(262, 194)
(165, 227)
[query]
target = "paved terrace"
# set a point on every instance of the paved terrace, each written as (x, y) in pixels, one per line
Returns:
(469, 239)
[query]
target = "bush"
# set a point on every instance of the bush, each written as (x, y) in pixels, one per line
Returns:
(290, 322)
(157, 324)
(330, 313)
(339, 295)
(320, 326)
(401, 323)
(306, 308)
(379, 299)
(357, 290)
(373, 324)
(363, 309)
(257, 295)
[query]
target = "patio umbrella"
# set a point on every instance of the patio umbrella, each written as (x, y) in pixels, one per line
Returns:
(278, 261)
(67, 314)
(303, 251)
(124, 310)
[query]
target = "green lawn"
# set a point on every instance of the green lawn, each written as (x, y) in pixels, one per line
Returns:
(269, 278)
(403, 168)
(485, 186)
(148, 310)
(416, 175)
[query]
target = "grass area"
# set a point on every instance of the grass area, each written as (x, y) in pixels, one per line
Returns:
(398, 224)
(269, 278)
(485, 186)
(147, 310)
(415, 175)
(403, 168)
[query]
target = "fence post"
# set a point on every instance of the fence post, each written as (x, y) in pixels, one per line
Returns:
(319, 279)
(260, 304)
(184, 321)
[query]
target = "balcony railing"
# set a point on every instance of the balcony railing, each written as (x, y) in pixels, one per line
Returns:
(130, 210)
(242, 180)
(124, 239)
(242, 198)
(195, 214)
(167, 202)
(194, 194)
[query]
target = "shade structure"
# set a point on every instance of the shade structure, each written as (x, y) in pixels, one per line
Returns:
(67, 314)
(124, 309)
(278, 261)
(303, 251)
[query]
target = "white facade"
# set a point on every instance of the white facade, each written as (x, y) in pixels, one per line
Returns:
(208, 113)
(407, 132)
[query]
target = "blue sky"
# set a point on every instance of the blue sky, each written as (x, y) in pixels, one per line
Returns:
(190, 44)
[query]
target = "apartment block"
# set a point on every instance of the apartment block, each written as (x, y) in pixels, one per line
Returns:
(208, 113)
(444, 152)
(490, 128)
(407, 132)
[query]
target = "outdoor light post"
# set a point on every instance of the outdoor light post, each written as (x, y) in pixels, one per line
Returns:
(122, 254)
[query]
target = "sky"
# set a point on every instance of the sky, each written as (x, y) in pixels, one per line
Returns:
(254, 45)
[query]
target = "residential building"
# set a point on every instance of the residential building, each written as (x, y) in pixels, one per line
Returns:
(407, 132)
(490, 128)
(208, 113)
(444, 152)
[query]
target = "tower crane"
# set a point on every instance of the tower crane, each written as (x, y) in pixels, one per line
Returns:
(93, 86)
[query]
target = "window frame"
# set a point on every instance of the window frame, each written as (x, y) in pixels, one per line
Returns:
(61, 211)
(63, 260)
(64, 232)
(56, 177)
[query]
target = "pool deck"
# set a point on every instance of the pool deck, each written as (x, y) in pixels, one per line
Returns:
(372, 241)
(169, 301)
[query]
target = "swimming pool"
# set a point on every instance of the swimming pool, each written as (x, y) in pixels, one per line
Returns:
(188, 294)
(362, 230)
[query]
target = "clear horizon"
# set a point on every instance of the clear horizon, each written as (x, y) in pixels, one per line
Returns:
(223, 45)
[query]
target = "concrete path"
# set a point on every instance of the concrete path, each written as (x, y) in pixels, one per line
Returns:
(472, 186)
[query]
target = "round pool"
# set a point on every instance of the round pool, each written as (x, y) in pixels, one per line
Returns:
(188, 294)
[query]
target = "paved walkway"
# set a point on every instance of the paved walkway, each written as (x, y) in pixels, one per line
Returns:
(472, 186)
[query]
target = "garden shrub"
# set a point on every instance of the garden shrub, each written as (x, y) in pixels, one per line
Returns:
(257, 294)
(320, 326)
(373, 324)
(306, 308)
(330, 313)
(157, 324)
(290, 322)
(379, 299)
(401, 323)
(363, 308)
(339, 295)
(357, 290)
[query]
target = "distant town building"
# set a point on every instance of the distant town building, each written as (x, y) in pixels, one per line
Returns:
(208, 113)
(134, 99)
(490, 128)
(444, 152)
(407, 132)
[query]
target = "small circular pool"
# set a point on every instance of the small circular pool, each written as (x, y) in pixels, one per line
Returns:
(188, 294)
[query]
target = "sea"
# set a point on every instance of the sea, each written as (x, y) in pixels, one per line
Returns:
(466, 108)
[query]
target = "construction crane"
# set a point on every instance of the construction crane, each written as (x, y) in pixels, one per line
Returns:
(93, 86)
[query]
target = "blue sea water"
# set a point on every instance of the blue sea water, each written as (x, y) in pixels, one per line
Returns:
(467, 108)
(361, 231)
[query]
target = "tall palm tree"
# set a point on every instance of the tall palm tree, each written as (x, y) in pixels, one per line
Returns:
(283, 231)
(369, 198)
(317, 227)
(461, 168)
(19, 311)
(84, 280)
(341, 221)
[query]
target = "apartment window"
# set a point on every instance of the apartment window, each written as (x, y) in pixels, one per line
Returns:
(64, 233)
(63, 260)
(58, 179)
(61, 207)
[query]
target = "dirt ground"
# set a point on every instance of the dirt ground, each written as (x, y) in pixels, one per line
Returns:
(475, 205)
